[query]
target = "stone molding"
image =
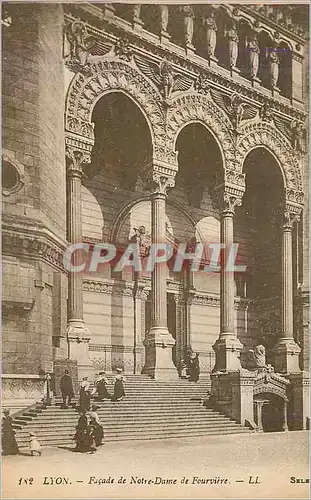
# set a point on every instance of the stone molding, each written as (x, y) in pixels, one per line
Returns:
(28, 237)
(22, 387)
(114, 348)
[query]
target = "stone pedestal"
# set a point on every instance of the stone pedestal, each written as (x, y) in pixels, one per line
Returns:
(233, 393)
(286, 351)
(300, 404)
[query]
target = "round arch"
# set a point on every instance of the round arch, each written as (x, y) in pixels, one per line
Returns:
(268, 137)
(112, 76)
(201, 109)
(122, 214)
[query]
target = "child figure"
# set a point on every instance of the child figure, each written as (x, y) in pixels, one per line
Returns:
(34, 445)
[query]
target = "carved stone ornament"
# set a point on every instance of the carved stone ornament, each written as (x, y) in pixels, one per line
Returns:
(80, 44)
(201, 85)
(161, 183)
(123, 49)
(290, 218)
(76, 159)
(84, 92)
(237, 110)
(164, 77)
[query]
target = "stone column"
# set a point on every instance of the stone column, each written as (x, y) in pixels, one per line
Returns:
(159, 342)
(284, 423)
(77, 334)
(286, 351)
(227, 348)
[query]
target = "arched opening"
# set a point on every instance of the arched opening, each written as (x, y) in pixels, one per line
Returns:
(224, 23)
(272, 412)
(285, 76)
(199, 162)
(265, 46)
(122, 138)
(200, 170)
(122, 145)
(244, 33)
(261, 217)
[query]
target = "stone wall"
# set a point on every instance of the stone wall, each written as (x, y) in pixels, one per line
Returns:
(34, 215)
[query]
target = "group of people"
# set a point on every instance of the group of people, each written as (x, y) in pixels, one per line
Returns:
(89, 431)
(190, 366)
(99, 392)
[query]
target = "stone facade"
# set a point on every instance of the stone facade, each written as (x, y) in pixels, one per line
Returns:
(214, 98)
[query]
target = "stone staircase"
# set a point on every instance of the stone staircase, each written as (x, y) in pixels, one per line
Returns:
(150, 410)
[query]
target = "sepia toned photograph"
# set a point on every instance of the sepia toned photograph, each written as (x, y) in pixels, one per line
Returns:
(155, 250)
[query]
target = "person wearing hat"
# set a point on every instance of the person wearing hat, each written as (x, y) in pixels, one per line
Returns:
(81, 436)
(85, 395)
(66, 387)
(95, 427)
(9, 443)
(34, 445)
(101, 387)
(119, 393)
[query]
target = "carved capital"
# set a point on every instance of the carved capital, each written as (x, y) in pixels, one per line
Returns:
(229, 202)
(290, 217)
(160, 184)
(76, 159)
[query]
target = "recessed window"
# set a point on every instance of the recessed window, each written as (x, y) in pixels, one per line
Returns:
(11, 181)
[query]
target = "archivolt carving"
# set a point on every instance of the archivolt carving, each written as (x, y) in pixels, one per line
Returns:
(200, 108)
(266, 135)
(105, 76)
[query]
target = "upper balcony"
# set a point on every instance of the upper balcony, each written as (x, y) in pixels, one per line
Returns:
(260, 47)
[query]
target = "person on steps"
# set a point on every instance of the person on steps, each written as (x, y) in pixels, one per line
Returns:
(84, 395)
(34, 445)
(194, 367)
(81, 436)
(119, 392)
(101, 387)
(98, 429)
(9, 443)
(66, 387)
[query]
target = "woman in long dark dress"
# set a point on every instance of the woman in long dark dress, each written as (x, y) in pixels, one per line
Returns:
(119, 392)
(101, 387)
(82, 436)
(85, 396)
(9, 444)
(194, 367)
(98, 430)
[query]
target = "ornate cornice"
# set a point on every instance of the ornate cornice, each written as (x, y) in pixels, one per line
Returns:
(24, 237)
(218, 78)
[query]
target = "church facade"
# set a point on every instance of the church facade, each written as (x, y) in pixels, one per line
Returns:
(154, 124)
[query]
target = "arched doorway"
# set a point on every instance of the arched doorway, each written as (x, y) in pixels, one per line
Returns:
(122, 146)
(200, 170)
(261, 216)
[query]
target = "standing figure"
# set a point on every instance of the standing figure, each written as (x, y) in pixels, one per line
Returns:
(209, 23)
(97, 428)
(194, 367)
(253, 50)
(85, 396)
(34, 445)
(101, 387)
(81, 436)
(119, 392)
(188, 24)
(66, 387)
(9, 444)
(164, 17)
(233, 39)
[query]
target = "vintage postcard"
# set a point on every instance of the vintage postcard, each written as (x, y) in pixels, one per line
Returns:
(155, 237)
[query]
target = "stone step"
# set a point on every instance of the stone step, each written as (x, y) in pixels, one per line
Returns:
(60, 442)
